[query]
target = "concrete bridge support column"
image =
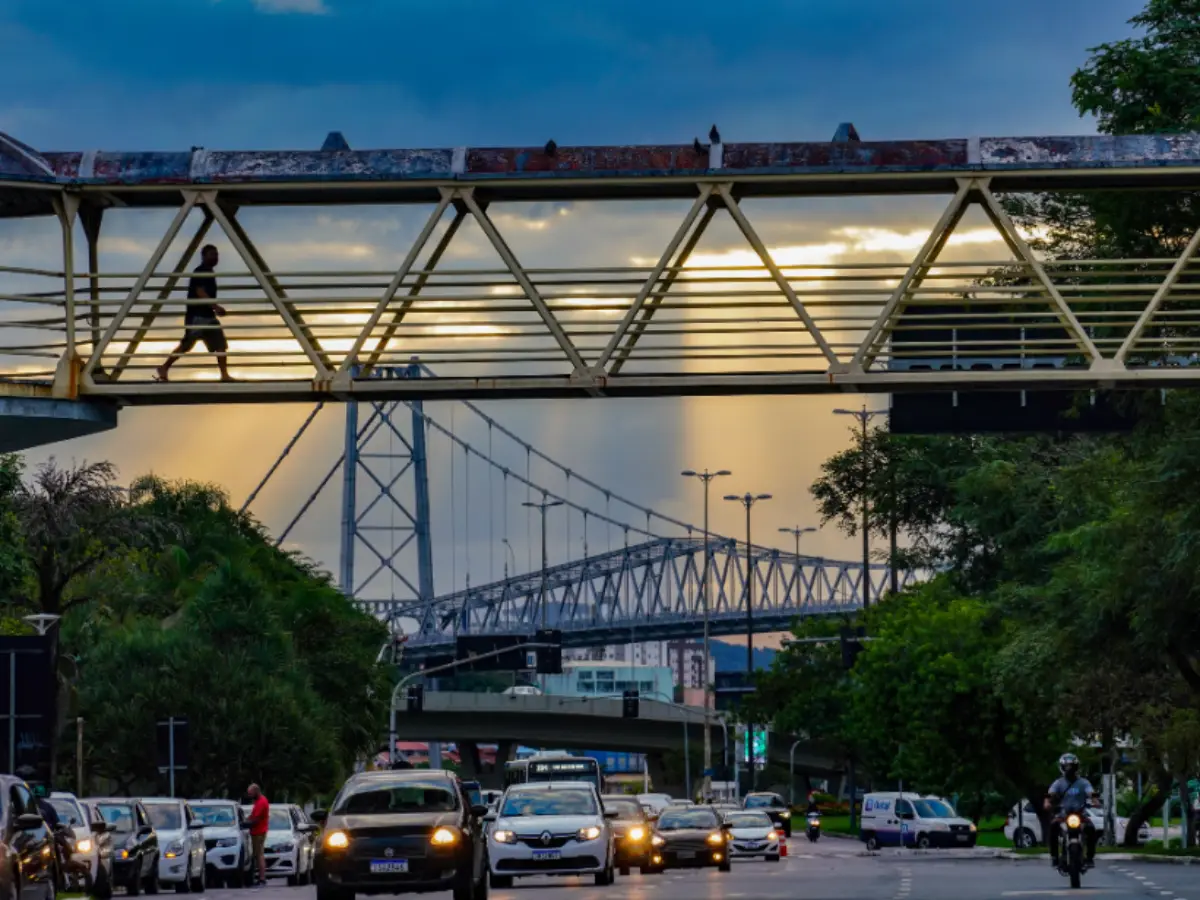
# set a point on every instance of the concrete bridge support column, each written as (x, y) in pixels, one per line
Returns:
(470, 766)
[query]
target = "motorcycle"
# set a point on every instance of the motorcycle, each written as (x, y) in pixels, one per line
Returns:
(1070, 856)
(814, 827)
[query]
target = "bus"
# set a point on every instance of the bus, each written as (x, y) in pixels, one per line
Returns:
(554, 768)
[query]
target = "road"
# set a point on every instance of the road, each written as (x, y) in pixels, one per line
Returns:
(839, 870)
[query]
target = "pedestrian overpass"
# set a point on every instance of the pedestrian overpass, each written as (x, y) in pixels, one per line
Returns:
(669, 324)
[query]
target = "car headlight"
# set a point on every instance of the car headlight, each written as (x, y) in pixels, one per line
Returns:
(636, 833)
(786, 814)
(227, 842)
(772, 835)
(716, 838)
(83, 846)
(1073, 821)
(658, 841)
(589, 834)
(124, 854)
(337, 840)
(973, 828)
(504, 837)
(443, 837)
(174, 849)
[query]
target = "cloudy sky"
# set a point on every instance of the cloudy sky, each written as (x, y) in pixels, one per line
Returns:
(262, 74)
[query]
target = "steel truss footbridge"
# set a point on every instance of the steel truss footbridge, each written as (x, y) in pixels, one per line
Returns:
(522, 323)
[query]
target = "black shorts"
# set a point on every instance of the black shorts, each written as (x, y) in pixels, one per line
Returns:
(206, 331)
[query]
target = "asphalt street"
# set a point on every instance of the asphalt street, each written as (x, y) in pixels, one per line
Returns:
(840, 870)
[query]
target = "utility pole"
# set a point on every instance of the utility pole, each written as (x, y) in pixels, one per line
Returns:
(706, 477)
(79, 757)
(864, 417)
(748, 500)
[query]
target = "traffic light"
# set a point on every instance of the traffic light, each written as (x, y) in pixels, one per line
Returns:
(852, 645)
(415, 697)
(629, 704)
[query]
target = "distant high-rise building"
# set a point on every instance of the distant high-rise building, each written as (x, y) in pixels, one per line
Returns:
(685, 659)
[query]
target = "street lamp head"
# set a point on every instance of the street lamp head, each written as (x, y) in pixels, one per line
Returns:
(724, 472)
(762, 497)
(845, 412)
(688, 473)
(733, 497)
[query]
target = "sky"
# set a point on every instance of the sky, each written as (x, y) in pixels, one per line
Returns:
(264, 74)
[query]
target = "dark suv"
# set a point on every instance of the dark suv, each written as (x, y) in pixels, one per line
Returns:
(774, 806)
(399, 832)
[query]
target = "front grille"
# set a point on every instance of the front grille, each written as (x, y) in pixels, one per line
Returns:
(960, 829)
(375, 846)
(545, 865)
(556, 841)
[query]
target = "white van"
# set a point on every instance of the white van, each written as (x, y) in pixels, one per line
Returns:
(910, 820)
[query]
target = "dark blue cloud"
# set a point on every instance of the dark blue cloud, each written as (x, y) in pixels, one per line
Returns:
(483, 71)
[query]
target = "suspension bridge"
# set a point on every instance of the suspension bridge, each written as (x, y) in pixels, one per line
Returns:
(622, 572)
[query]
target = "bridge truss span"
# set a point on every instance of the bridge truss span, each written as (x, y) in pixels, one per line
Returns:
(467, 292)
(647, 591)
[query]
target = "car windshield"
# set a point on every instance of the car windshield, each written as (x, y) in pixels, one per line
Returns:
(549, 803)
(279, 820)
(625, 809)
(934, 809)
(215, 815)
(68, 812)
(674, 819)
(748, 820)
(118, 817)
(165, 816)
(763, 801)
(375, 798)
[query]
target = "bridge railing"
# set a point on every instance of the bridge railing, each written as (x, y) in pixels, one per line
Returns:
(33, 326)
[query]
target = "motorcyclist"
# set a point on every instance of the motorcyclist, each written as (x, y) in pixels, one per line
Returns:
(813, 808)
(1070, 793)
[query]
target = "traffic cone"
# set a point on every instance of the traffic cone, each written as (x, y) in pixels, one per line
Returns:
(782, 847)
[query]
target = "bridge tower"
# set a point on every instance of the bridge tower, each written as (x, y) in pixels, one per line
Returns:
(385, 501)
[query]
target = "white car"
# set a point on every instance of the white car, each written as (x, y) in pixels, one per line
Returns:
(289, 847)
(550, 828)
(91, 856)
(752, 834)
(1026, 831)
(226, 842)
(180, 843)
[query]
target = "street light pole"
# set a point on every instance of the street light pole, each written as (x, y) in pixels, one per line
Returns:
(748, 500)
(542, 507)
(796, 532)
(864, 417)
(706, 478)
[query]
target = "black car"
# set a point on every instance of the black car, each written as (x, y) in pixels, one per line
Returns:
(134, 844)
(774, 806)
(27, 857)
(631, 831)
(689, 837)
(400, 832)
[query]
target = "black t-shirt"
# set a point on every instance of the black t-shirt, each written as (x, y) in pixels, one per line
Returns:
(202, 311)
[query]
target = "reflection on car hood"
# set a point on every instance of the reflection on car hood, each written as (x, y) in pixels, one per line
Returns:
(404, 821)
(687, 834)
(166, 835)
(553, 824)
(221, 831)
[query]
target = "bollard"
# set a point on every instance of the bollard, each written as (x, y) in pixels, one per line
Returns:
(782, 847)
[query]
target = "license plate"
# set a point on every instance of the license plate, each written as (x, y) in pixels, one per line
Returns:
(962, 837)
(547, 854)
(389, 866)
(687, 854)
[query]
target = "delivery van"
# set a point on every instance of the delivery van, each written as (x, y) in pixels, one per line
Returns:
(910, 820)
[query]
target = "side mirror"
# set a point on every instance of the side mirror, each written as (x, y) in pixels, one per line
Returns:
(29, 822)
(145, 831)
(611, 814)
(196, 825)
(479, 810)
(490, 816)
(907, 816)
(99, 827)
(319, 815)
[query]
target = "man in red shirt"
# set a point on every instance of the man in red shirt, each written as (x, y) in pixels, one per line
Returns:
(260, 815)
